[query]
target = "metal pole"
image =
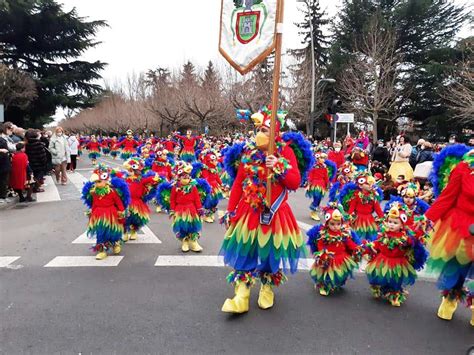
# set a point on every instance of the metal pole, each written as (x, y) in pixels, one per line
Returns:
(313, 71)
(276, 87)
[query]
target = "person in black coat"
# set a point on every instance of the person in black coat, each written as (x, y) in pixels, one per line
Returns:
(381, 154)
(426, 153)
(37, 157)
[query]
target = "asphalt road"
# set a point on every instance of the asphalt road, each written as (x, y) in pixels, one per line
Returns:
(137, 307)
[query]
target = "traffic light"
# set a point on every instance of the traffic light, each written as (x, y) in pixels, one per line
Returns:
(333, 108)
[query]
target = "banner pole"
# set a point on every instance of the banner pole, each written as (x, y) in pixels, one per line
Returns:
(276, 87)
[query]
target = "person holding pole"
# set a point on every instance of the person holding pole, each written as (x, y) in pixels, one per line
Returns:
(262, 239)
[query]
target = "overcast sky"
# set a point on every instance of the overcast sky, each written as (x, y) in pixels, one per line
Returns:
(145, 34)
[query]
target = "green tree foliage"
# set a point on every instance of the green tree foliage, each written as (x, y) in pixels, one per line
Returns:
(425, 31)
(39, 38)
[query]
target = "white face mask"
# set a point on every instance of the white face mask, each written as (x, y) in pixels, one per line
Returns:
(59, 134)
(337, 149)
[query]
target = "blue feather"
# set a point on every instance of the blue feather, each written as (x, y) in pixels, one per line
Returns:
(313, 236)
(393, 199)
(297, 142)
(348, 189)
(204, 190)
(332, 169)
(232, 159)
(333, 191)
(355, 238)
(86, 194)
(159, 196)
(420, 255)
(150, 195)
(456, 151)
(197, 170)
(122, 189)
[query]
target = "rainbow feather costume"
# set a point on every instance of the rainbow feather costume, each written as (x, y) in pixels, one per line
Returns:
(187, 155)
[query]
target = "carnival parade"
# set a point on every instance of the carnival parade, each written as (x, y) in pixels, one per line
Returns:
(281, 199)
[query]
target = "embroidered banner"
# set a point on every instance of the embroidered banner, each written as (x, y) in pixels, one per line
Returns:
(247, 32)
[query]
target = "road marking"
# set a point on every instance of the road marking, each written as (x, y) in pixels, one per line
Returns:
(80, 261)
(50, 193)
(107, 161)
(188, 260)
(217, 261)
(304, 226)
(145, 236)
(77, 180)
(5, 261)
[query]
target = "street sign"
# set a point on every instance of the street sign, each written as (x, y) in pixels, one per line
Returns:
(248, 31)
(2, 118)
(345, 118)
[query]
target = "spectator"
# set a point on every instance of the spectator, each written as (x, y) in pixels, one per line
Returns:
(7, 132)
(414, 152)
(73, 142)
(426, 153)
(381, 154)
(60, 154)
(453, 139)
(401, 155)
(21, 175)
(5, 165)
(37, 157)
(336, 155)
(424, 162)
(18, 134)
(470, 143)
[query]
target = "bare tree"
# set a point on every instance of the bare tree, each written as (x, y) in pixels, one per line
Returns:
(369, 82)
(16, 88)
(460, 94)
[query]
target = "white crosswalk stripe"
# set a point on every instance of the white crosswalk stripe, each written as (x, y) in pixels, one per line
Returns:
(145, 236)
(50, 193)
(83, 261)
(6, 261)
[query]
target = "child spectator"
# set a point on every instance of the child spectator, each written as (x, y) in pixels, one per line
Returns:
(20, 174)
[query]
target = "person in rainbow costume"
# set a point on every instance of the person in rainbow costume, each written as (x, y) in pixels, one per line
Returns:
(114, 150)
(208, 171)
(335, 249)
(362, 204)
(451, 244)
(417, 208)
(141, 190)
(189, 144)
(93, 148)
(345, 174)
(258, 244)
(129, 146)
(394, 257)
(107, 199)
(318, 181)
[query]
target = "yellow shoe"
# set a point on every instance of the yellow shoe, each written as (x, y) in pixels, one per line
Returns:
(447, 308)
(240, 302)
(133, 236)
(208, 219)
(101, 255)
(185, 245)
(117, 248)
(194, 246)
(314, 215)
(125, 237)
(323, 292)
(158, 209)
(395, 302)
(266, 297)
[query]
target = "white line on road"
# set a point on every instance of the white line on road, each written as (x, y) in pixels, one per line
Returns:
(77, 180)
(187, 260)
(145, 237)
(50, 193)
(5, 261)
(304, 226)
(80, 261)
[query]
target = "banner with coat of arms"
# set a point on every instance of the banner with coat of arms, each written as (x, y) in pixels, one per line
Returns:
(247, 32)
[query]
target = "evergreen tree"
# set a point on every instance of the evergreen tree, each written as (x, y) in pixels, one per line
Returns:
(39, 38)
(188, 77)
(211, 80)
(425, 32)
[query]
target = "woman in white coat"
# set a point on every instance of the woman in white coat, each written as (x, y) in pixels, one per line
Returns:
(74, 149)
(60, 153)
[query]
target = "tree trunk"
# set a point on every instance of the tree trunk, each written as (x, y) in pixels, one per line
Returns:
(375, 117)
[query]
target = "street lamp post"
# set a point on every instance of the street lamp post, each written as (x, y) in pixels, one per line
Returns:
(314, 85)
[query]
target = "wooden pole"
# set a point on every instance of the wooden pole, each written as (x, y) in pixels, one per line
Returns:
(276, 88)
